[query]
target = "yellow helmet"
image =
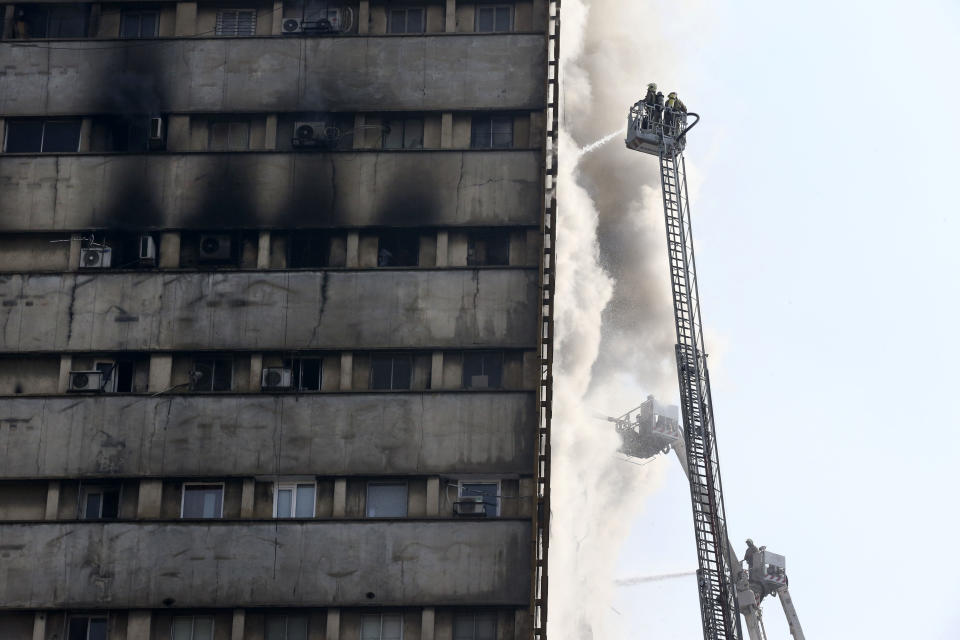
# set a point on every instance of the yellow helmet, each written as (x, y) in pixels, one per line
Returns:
(672, 94)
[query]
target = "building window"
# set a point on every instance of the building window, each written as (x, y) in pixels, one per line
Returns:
(192, 628)
(236, 22)
(475, 626)
(403, 133)
(407, 20)
(494, 18)
(117, 376)
(491, 132)
(308, 249)
(43, 136)
(51, 21)
(482, 369)
(398, 249)
(87, 628)
(294, 500)
(212, 374)
(139, 24)
(280, 627)
(490, 492)
(387, 500)
(488, 248)
(305, 373)
(232, 135)
(390, 371)
(202, 501)
(381, 627)
(99, 503)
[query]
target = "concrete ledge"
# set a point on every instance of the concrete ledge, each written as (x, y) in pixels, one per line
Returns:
(269, 311)
(282, 190)
(450, 73)
(335, 434)
(75, 565)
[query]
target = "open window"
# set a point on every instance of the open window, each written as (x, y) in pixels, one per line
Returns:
(99, 502)
(398, 248)
(488, 247)
(485, 493)
(87, 628)
(482, 369)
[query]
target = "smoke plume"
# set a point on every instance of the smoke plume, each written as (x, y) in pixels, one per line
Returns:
(614, 320)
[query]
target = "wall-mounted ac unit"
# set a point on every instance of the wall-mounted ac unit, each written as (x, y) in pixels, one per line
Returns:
(95, 258)
(215, 247)
(86, 381)
(148, 250)
(314, 134)
(469, 506)
(328, 21)
(276, 378)
(291, 26)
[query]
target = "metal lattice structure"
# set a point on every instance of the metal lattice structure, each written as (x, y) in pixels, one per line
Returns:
(716, 578)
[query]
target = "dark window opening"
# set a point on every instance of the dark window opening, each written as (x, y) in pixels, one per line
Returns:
(87, 628)
(132, 132)
(100, 503)
(491, 132)
(390, 371)
(50, 21)
(409, 20)
(494, 19)
(308, 250)
(399, 249)
(490, 247)
(403, 133)
(482, 369)
(229, 135)
(43, 136)
(212, 374)
(139, 24)
(306, 373)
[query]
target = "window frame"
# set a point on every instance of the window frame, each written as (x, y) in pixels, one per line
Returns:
(393, 367)
(403, 121)
(381, 616)
(406, 19)
(43, 132)
(293, 484)
(183, 499)
(99, 488)
(493, 7)
(483, 354)
(476, 615)
(295, 364)
(213, 375)
(286, 624)
(193, 626)
(491, 120)
(495, 482)
(219, 23)
(139, 13)
(228, 122)
(387, 483)
(88, 618)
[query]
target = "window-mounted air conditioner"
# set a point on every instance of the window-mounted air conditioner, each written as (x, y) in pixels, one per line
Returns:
(148, 250)
(291, 26)
(276, 378)
(95, 258)
(215, 247)
(86, 381)
(469, 506)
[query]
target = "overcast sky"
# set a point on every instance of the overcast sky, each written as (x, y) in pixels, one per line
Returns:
(826, 228)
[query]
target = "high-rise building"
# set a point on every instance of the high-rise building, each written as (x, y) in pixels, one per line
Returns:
(275, 319)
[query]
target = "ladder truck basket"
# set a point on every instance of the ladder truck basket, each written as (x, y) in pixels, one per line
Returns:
(648, 124)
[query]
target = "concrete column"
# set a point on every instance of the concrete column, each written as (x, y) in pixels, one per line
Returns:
(446, 130)
(359, 133)
(75, 242)
(339, 501)
(433, 502)
(138, 624)
(6, 31)
(363, 17)
(86, 126)
(186, 24)
(39, 625)
(3, 128)
(443, 237)
(169, 249)
(333, 624)
(263, 250)
(53, 500)
(277, 28)
(353, 249)
(239, 622)
(436, 370)
(346, 371)
(148, 498)
(451, 22)
(63, 383)
(256, 371)
(178, 133)
(246, 501)
(427, 622)
(161, 371)
(270, 129)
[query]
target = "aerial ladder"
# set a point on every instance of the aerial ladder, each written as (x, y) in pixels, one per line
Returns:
(650, 429)
(657, 130)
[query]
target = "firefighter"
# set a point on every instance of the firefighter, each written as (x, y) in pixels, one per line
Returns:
(650, 101)
(750, 553)
(657, 107)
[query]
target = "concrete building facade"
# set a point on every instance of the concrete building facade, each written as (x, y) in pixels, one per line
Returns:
(276, 294)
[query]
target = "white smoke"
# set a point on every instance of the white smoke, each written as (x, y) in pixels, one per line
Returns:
(614, 324)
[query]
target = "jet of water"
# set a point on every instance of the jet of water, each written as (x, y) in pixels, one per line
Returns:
(629, 582)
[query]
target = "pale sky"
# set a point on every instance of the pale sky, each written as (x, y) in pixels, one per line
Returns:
(826, 229)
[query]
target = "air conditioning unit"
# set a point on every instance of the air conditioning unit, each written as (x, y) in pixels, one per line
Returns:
(155, 139)
(328, 21)
(148, 249)
(291, 26)
(469, 506)
(275, 378)
(215, 247)
(314, 134)
(86, 381)
(95, 258)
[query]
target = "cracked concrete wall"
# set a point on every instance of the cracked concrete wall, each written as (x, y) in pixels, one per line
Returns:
(269, 311)
(361, 434)
(270, 190)
(452, 73)
(75, 565)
